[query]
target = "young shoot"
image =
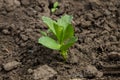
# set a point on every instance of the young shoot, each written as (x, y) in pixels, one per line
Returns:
(55, 7)
(62, 35)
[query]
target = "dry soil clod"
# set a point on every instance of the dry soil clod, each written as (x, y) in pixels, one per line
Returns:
(11, 65)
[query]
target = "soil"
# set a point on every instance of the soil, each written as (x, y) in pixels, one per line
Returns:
(97, 26)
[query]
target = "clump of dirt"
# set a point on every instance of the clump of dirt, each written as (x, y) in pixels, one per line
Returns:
(97, 26)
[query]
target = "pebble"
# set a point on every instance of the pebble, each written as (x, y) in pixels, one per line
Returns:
(30, 71)
(91, 72)
(11, 65)
(114, 56)
(24, 37)
(16, 2)
(74, 59)
(86, 23)
(5, 31)
(11, 4)
(43, 73)
(25, 2)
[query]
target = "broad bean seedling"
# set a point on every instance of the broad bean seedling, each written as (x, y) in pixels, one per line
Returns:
(63, 35)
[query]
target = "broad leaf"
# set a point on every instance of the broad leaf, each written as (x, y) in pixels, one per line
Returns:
(69, 43)
(49, 23)
(64, 21)
(68, 32)
(49, 42)
(55, 5)
(53, 10)
(43, 33)
(59, 32)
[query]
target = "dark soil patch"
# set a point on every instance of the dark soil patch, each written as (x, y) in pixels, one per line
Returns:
(97, 26)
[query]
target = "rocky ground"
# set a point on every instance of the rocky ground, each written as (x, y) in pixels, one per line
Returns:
(95, 56)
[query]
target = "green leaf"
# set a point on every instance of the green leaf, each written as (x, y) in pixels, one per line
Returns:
(59, 32)
(55, 5)
(53, 10)
(64, 21)
(43, 33)
(49, 23)
(69, 43)
(49, 42)
(68, 32)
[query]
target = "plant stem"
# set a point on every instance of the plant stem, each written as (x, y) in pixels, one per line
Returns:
(64, 54)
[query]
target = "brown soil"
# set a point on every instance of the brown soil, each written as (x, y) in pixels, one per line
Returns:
(97, 26)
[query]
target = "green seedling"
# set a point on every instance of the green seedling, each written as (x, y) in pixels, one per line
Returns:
(62, 35)
(55, 7)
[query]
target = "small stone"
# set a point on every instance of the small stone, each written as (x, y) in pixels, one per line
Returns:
(16, 2)
(74, 59)
(99, 74)
(24, 37)
(89, 16)
(43, 73)
(88, 40)
(86, 23)
(107, 27)
(96, 14)
(113, 38)
(29, 30)
(23, 44)
(37, 8)
(5, 31)
(114, 56)
(107, 12)
(91, 72)
(112, 24)
(31, 12)
(25, 2)
(30, 71)
(11, 65)
(11, 4)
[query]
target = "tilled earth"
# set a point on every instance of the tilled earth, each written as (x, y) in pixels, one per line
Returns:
(95, 56)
